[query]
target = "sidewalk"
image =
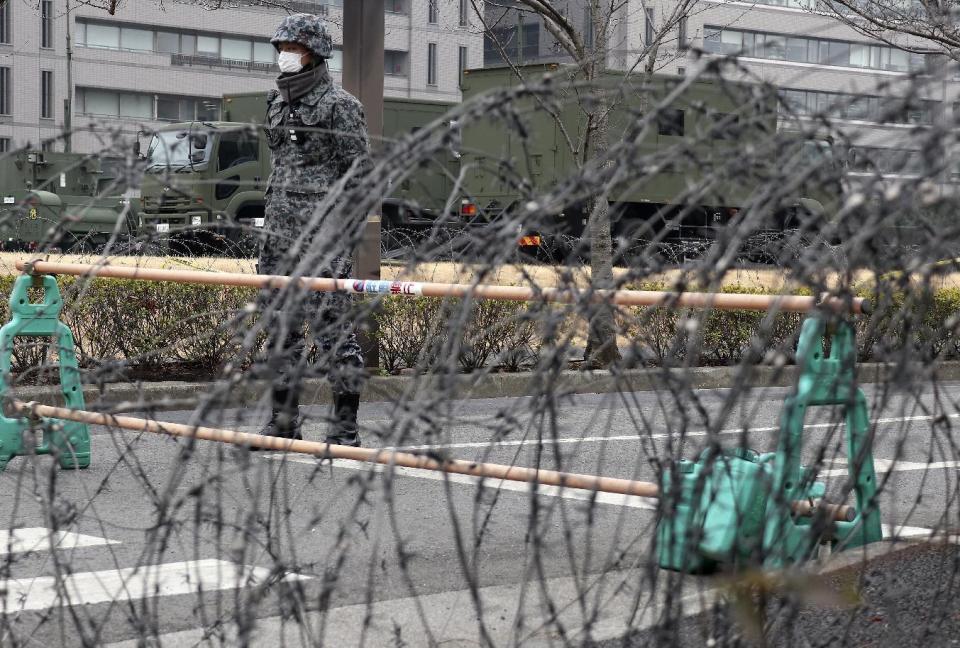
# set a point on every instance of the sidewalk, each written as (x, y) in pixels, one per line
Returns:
(184, 395)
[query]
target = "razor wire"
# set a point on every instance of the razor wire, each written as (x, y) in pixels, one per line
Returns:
(276, 549)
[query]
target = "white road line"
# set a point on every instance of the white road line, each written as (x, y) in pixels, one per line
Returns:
(888, 465)
(34, 539)
(89, 588)
(612, 601)
(647, 437)
(896, 531)
(630, 501)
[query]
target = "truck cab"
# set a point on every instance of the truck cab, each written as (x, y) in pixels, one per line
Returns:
(204, 177)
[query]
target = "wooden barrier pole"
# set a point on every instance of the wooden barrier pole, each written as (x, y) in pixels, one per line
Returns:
(391, 457)
(717, 301)
(371, 455)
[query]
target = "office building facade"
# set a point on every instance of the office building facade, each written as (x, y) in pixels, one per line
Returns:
(149, 65)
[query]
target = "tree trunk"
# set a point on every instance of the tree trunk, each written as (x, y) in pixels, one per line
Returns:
(602, 348)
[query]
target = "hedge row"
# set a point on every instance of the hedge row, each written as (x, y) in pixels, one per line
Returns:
(156, 327)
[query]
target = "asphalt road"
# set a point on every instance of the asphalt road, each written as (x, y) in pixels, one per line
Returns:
(193, 544)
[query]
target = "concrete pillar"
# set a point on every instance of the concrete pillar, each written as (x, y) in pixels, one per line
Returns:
(363, 78)
(363, 58)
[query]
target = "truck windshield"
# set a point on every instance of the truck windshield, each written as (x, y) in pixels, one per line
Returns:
(178, 149)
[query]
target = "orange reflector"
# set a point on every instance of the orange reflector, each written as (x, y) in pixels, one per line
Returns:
(468, 209)
(528, 241)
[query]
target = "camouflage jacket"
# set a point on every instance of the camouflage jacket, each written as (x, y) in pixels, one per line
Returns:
(316, 139)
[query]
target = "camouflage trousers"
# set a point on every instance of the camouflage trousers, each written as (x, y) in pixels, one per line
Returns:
(288, 313)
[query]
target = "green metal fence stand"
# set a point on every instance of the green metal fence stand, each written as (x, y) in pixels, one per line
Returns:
(735, 505)
(68, 441)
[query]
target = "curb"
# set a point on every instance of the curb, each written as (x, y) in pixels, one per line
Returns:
(161, 396)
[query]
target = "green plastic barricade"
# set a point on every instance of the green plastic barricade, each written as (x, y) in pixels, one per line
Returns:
(735, 506)
(68, 441)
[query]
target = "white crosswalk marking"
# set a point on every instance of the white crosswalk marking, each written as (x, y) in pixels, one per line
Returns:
(34, 539)
(168, 579)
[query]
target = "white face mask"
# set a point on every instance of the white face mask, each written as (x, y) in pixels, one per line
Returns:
(289, 62)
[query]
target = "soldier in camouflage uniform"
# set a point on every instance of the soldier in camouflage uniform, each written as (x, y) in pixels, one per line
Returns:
(317, 136)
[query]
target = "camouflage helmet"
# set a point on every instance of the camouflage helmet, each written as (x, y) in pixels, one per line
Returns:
(306, 29)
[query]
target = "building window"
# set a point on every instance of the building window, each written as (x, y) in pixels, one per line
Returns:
(6, 90)
(47, 145)
(464, 12)
(864, 159)
(5, 23)
(394, 6)
(98, 102)
(208, 46)
(4, 144)
(173, 108)
(46, 23)
(431, 64)
(136, 40)
(265, 53)
(188, 44)
(682, 33)
(433, 11)
(106, 36)
(796, 4)
(810, 50)
(857, 107)
(138, 106)
(317, 7)
(394, 63)
(524, 48)
(168, 42)
(46, 94)
(146, 106)
(236, 49)
(462, 61)
(163, 41)
(648, 26)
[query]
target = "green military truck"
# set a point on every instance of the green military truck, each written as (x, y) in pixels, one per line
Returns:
(694, 169)
(61, 200)
(210, 177)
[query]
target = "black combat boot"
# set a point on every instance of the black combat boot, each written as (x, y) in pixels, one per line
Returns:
(284, 415)
(343, 430)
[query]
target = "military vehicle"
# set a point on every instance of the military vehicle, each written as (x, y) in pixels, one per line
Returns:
(691, 172)
(209, 177)
(62, 200)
